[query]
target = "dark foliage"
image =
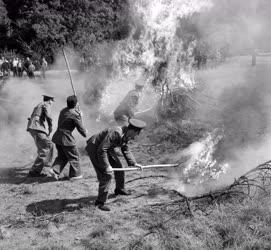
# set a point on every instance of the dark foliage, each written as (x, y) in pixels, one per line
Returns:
(42, 27)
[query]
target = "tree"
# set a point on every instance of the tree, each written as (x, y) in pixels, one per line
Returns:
(4, 25)
(44, 26)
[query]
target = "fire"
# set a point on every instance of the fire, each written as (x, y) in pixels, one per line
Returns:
(202, 166)
(156, 42)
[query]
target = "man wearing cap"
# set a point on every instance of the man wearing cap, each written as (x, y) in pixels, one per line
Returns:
(100, 148)
(67, 152)
(37, 128)
(127, 107)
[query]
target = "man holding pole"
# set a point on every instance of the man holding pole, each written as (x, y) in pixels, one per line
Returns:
(67, 152)
(100, 148)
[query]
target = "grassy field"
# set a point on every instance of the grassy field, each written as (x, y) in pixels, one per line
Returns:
(48, 215)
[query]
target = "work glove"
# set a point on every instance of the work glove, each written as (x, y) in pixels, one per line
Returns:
(109, 170)
(139, 166)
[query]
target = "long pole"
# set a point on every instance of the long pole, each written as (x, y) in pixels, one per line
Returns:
(69, 70)
(147, 167)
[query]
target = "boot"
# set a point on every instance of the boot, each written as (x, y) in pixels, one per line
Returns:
(122, 192)
(35, 174)
(102, 206)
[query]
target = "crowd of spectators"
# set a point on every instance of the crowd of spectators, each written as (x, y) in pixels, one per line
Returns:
(19, 67)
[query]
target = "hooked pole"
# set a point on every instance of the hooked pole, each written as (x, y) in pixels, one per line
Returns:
(69, 71)
(146, 167)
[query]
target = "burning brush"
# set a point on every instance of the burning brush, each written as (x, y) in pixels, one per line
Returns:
(202, 166)
(197, 162)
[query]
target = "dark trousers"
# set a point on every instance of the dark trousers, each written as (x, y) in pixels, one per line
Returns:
(44, 149)
(20, 72)
(67, 154)
(31, 74)
(103, 177)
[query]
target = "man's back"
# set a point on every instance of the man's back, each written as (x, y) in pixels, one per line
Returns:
(68, 120)
(113, 134)
(128, 104)
(40, 114)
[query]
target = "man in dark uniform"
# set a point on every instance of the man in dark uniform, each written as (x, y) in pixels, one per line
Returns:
(36, 127)
(100, 148)
(127, 107)
(67, 152)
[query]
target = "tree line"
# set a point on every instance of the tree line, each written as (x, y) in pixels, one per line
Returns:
(39, 28)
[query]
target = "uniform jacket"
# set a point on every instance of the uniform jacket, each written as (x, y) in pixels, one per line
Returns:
(40, 114)
(128, 104)
(105, 143)
(68, 120)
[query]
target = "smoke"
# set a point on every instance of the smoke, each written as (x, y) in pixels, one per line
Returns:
(241, 24)
(18, 98)
(152, 42)
(155, 41)
(235, 99)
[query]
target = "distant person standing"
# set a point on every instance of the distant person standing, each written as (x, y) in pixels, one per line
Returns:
(37, 128)
(67, 151)
(20, 68)
(14, 66)
(31, 70)
(5, 67)
(82, 64)
(44, 66)
(26, 65)
(1, 62)
(127, 107)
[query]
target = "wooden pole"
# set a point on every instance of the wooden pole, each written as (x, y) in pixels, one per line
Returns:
(146, 167)
(69, 71)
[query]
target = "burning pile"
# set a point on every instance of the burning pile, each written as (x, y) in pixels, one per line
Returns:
(201, 165)
(153, 54)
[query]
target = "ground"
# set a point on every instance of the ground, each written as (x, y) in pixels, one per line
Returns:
(40, 213)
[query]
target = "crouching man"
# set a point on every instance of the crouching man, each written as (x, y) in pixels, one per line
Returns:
(100, 148)
(67, 152)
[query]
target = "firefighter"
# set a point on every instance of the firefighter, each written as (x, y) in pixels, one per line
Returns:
(100, 148)
(127, 107)
(37, 128)
(67, 151)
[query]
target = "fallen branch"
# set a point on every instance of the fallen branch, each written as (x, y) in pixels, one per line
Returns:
(241, 187)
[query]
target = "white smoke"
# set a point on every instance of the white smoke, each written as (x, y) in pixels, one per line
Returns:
(153, 41)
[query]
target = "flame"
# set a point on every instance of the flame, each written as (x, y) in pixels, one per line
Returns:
(202, 166)
(157, 22)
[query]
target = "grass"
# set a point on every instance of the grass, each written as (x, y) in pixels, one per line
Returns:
(230, 226)
(134, 222)
(53, 248)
